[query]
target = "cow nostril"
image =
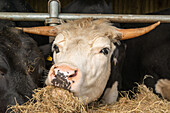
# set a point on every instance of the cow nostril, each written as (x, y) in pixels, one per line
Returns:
(75, 72)
(73, 75)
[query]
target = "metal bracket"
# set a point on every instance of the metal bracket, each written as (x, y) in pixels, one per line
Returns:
(54, 7)
(53, 21)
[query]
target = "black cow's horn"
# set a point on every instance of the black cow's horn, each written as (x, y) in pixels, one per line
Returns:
(132, 33)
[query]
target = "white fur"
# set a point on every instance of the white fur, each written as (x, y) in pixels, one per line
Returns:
(163, 87)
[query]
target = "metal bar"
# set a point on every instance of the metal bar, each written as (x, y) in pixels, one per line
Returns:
(23, 16)
(122, 18)
(53, 8)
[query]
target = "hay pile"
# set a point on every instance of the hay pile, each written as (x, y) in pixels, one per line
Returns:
(52, 100)
(144, 102)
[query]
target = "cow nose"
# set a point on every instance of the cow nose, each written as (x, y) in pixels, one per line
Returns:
(67, 71)
(63, 76)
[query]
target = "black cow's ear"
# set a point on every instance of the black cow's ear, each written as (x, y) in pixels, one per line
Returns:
(119, 52)
(45, 49)
(116, 51)
(115, 57)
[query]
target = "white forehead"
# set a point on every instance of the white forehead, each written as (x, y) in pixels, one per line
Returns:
(87, 30)
(102, 42)
(83, 41)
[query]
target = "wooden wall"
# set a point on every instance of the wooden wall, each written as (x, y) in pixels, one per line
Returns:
(119, 6)
(40, 6)
(139, 6)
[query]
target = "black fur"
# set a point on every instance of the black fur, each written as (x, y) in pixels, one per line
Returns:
(147, 55)
(21, 66)
(116, 68)
(23, 6)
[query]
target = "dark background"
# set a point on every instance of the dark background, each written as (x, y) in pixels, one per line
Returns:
(119, 6)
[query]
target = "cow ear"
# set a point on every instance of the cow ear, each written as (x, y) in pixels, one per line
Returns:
(46, 49)
(119, 52)
(115, 56)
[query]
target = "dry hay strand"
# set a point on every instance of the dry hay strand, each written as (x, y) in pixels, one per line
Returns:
(52, 100)
(145, 101)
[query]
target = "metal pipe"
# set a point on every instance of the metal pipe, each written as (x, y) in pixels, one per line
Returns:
(53, 8)
(17, 16)
(122, 18)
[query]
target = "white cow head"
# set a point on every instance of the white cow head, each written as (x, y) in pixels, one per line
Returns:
(82, 51)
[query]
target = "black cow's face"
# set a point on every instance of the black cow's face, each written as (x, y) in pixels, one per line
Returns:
(21, 67)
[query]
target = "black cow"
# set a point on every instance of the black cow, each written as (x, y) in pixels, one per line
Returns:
(23, 6)
(21, 67)
(148, 55)
(22, 64)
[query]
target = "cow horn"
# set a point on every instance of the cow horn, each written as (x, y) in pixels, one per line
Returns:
(126, 33)
(43, 30)
(132, 33)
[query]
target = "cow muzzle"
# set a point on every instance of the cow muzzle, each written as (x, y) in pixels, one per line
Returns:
(63, 76)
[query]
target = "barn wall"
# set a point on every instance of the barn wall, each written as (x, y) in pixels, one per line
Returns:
(40, 6)
(119, 6)
(139, 6)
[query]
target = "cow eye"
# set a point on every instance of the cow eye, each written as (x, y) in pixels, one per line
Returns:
(3, 71)
(56, 49)
(105, 51)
